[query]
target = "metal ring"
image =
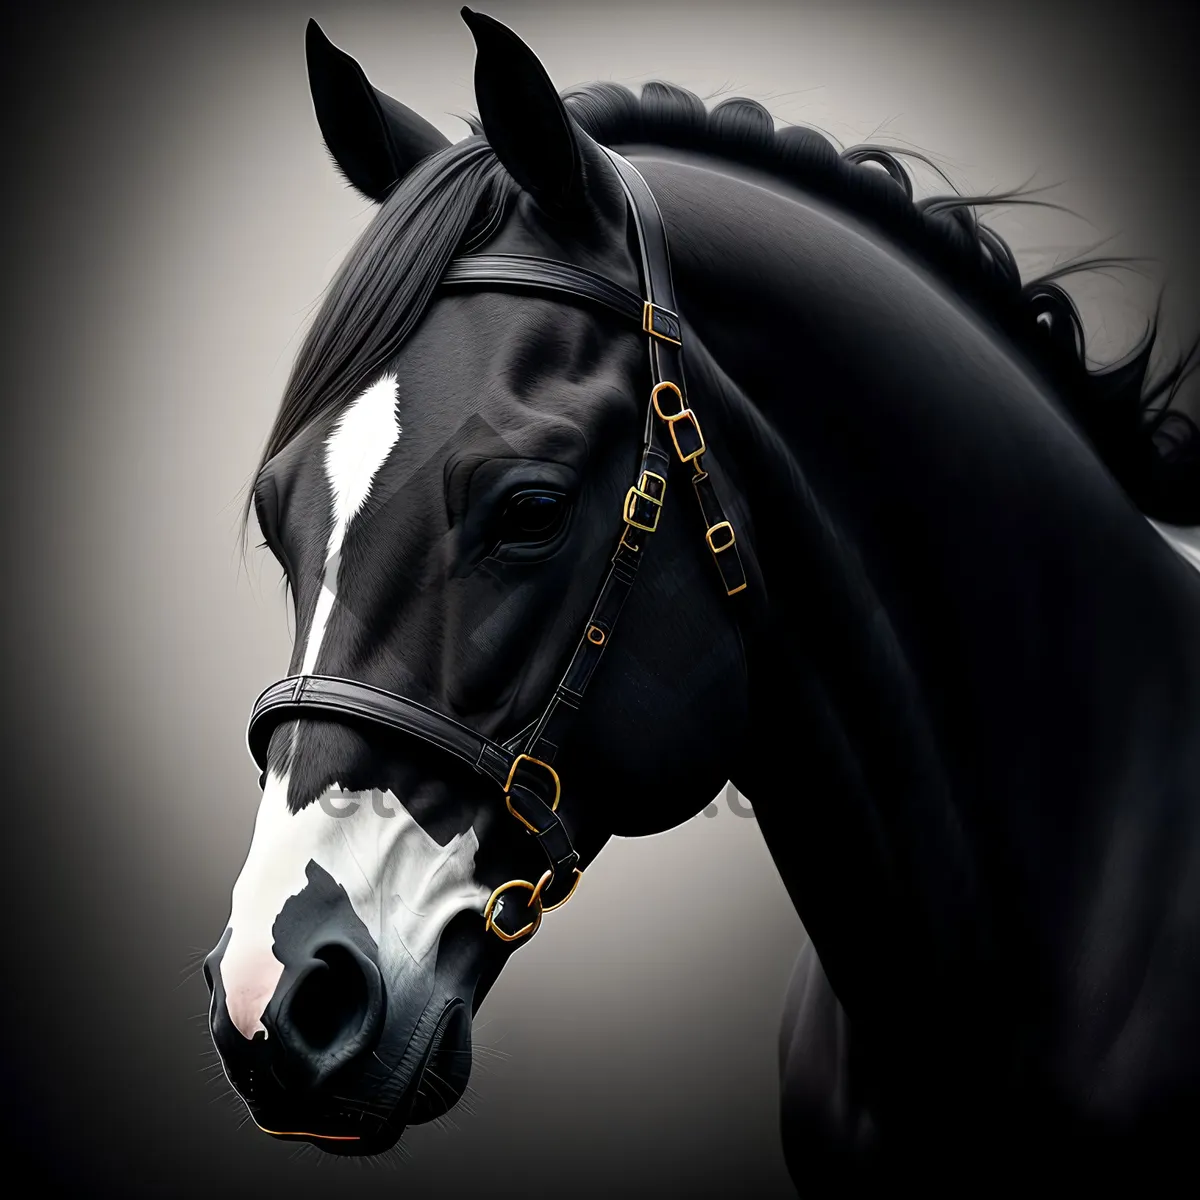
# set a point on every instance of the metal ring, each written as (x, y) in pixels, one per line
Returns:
(537, 762)
(541, 883)
(489, 910)
(658, 387)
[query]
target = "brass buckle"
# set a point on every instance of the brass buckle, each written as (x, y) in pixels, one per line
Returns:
(669, 320)
(684, 414)
(708, 534)
(490, 913)
(595, 635)
(545, 879)
(512, 771)
(691, 418)
(640, 491)
(644, 486)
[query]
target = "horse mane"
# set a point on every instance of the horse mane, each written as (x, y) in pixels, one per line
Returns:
(381, 290)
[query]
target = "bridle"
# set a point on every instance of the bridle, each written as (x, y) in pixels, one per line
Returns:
(523, 766)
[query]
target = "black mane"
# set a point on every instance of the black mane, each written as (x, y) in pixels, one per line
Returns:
(382, 288)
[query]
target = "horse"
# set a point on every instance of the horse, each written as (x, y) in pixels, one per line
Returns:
(921, 618)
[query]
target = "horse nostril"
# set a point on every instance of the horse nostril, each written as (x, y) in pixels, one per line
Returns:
(334, 1012)
(330, 1004)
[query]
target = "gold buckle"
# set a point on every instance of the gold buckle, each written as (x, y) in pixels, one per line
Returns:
(595, 635)
(645, 490)
(648, 311)
(708, 534)
(508, 787)
(489, 912)
(673, 421)
(541, 883)
(631, 498)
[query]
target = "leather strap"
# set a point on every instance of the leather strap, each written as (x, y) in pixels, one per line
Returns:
(523, 272)
(666, 366)
(300, 696)
(532, 793)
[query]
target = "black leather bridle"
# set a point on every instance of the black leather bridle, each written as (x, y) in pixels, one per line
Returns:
(523, 766)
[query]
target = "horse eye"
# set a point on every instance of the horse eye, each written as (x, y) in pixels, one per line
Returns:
(533, 516)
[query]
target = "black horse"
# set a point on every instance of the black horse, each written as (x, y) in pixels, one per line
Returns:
(961, 684)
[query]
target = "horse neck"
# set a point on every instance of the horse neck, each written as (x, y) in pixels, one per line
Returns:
(970, 644)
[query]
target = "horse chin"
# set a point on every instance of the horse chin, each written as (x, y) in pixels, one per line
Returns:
(444, 1077)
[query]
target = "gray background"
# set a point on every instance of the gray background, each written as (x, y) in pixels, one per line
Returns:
(170, 221)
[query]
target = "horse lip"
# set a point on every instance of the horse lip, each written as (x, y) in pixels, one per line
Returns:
(325, 1137)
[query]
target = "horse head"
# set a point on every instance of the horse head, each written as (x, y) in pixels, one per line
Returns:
(452, 481)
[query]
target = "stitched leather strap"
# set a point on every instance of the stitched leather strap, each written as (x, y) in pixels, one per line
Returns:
(527, 790)
(520, 271)
(666, 365)
(300, 696)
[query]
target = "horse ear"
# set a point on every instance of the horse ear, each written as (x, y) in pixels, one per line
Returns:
(523, 118)
(374, 139)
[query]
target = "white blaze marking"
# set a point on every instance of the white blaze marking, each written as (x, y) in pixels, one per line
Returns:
(403, 886)
(354, 452)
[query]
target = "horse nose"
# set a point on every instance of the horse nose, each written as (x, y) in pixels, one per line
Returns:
(326, 1013)
(330, 1016)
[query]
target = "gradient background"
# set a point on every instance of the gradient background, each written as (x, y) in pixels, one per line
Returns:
(170, 220)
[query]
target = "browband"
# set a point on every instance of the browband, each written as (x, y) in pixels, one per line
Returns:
(524, 272)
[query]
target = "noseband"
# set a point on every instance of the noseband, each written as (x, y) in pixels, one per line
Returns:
(523, 767)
